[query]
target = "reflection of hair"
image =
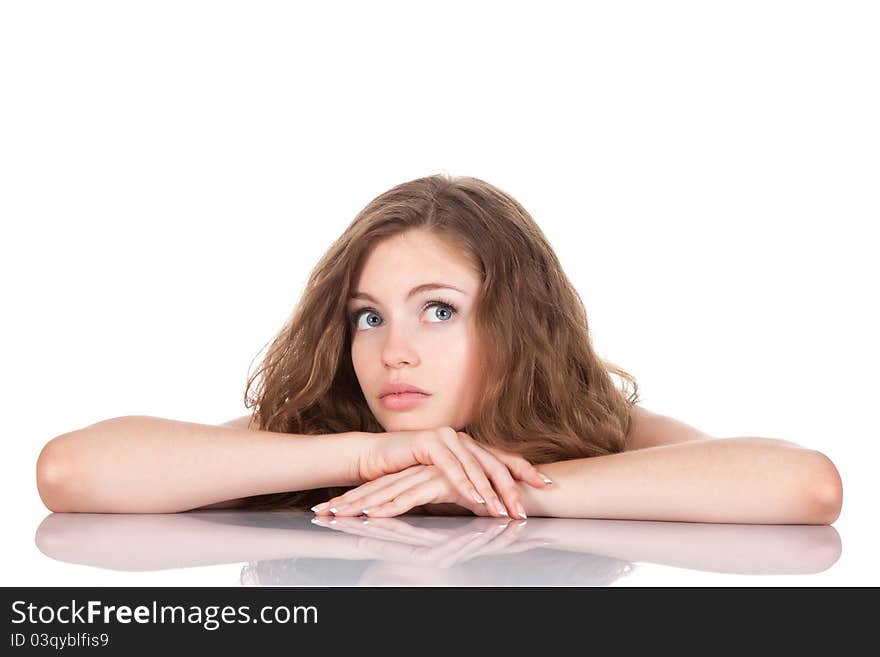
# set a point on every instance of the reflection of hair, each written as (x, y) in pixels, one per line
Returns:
(304, 572)
(536, 567)
(548, 395)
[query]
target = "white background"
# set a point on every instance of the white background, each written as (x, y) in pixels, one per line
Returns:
(708, 174)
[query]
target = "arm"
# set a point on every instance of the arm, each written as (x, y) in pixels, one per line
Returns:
(730, 480)
(141, 464)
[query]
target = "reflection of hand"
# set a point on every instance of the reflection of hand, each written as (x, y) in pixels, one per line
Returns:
(477, 472)
(397, 493)
(396, 540)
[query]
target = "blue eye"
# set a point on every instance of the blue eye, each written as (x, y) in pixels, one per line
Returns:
(446, 306)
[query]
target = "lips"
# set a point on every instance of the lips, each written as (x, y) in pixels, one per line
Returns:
(400, 388)
(403, 401)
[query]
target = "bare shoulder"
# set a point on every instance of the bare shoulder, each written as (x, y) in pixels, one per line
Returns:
(242, 422)
(651, 429)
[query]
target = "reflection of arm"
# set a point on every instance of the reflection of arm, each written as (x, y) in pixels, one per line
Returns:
(158, 542)
(732, 480)
(140, 464)
(186, 540)
(720, 548)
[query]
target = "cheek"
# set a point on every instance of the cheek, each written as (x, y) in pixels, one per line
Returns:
(461, 363)
(359, 360)
(355, 357)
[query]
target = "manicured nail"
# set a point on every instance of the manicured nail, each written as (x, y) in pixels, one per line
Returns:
(477, 497)
(501, 509)
(520, 510)
(320, 507)
(547, 480)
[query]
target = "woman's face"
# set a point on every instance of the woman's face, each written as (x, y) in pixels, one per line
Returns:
(417, 339)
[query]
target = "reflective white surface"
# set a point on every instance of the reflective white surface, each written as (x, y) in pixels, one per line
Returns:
(289, 549)
(720, 234)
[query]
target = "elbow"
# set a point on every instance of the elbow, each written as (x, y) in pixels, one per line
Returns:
(825, 491)
(53, 476)
(61, 476)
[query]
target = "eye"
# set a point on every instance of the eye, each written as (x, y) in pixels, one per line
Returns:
(447, 307)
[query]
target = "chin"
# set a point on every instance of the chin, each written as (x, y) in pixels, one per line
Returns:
(409, 424)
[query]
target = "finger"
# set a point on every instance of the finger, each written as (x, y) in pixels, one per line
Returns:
(502, 538)
(364, 544)
(397, 529)
(353, 500)
(359, 504)
(501, 477)
(440, 553)
(476, 545)
(523, 546)
(476, 471)
(371, 486)
(352, 495)
(375, 529)
(385, 495)
(521, 468)
(391, 551)
(462, 470)
(420, 494)
(450, 552)
(347, 525)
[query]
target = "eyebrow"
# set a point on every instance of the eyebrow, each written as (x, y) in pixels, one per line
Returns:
(425, 287)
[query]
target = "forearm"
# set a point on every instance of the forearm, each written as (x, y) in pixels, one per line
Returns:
(731, 480)
(140, 464)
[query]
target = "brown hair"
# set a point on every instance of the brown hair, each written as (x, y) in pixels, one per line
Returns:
(548, 396)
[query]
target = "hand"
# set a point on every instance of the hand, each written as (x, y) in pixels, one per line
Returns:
(397, 541)
(397, 493)
(463, 460)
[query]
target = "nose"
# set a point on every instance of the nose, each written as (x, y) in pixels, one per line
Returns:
(399, 347)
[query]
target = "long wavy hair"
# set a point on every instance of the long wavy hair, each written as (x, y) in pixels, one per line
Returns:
(548, 396)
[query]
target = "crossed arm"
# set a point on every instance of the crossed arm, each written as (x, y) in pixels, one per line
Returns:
(670, 471)
(729, 480)
(674, 472)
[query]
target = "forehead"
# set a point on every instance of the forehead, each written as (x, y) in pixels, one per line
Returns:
(415, 257)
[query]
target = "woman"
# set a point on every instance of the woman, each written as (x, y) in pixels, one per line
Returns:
(447, 288)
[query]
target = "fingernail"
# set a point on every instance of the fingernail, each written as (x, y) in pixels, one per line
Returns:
(478, 498)
(547, 480)
(366, 512)
(320, 507)
(501, 509)
(520, 510)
